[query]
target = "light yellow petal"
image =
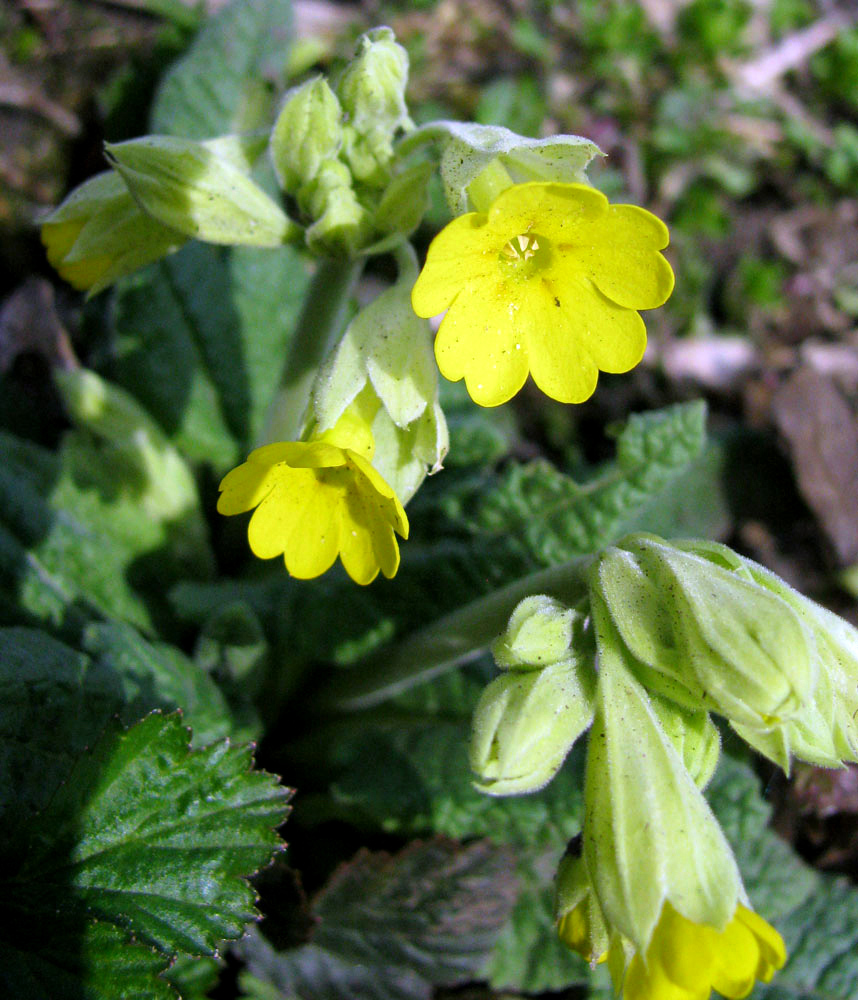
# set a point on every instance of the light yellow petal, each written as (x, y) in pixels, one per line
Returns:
(288, 503)
(642, 983)
(351, 431)
(463, 253)
(244, 488)
(313, 545)
(771, 944)
(381, 493)
(356, 549)
(574, 332)
(736, 967)
(247, 485)
(271, 454)
(620, 255)
(316, 455)
(685, 951)
(555, 211)
(483, 340)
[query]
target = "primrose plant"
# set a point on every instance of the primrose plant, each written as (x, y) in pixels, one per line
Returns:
(637, 645)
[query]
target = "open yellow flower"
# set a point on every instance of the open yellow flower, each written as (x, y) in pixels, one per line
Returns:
(548, 281)
(686, 961)
(316, 500)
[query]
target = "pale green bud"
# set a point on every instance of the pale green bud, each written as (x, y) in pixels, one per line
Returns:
(494, 158)
(308, 132)
(386, 351)
(539, 632)
(372, 86)
(649, 834)
(98, 234)
(694, 735)
(372, 93)
(705, 636)
(580, 923)
(825, 732)
(190, 187)
(525, 724)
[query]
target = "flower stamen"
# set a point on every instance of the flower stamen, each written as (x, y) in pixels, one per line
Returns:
(520, 248)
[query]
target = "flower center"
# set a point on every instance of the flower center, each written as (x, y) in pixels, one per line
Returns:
(524, 253)
(520, 248)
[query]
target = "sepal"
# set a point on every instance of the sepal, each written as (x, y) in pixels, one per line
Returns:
(193, 188)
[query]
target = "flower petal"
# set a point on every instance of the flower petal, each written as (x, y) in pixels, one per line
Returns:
(356, 544)
(555, 211)
(381, 493)
(483, 340)
(247, 485)
(313, 544)
(465, 251)
(574, 332)
(620, 255)
(288, 502)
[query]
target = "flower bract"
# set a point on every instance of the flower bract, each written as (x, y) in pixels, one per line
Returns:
(316, 500)
(549, 282)
(686, 961)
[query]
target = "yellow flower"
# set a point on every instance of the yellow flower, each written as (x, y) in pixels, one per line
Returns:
(315, 500)
(548, 281)
(686, 961)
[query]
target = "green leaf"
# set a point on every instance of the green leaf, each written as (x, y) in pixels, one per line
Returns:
(223, 83)
(77, 539)
(142, 854)
(816, 914)
(557, 518)
(201, 339)
(158, 675)
(54, 700)
(392, 927)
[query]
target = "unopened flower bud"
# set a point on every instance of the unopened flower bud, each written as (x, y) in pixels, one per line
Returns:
(308, 132)
(342, 225)
(525, 723)
(649, 835)
(372, 87)
(372, 94)
(189, 187)
(581, 925)
(705, 636)
(98, 234)
(539, 633)
(825, 732)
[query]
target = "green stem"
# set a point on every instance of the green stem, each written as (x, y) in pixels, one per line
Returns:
(453, 640)
(320, 324)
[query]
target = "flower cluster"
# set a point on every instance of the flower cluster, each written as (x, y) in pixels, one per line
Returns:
(662, 635)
